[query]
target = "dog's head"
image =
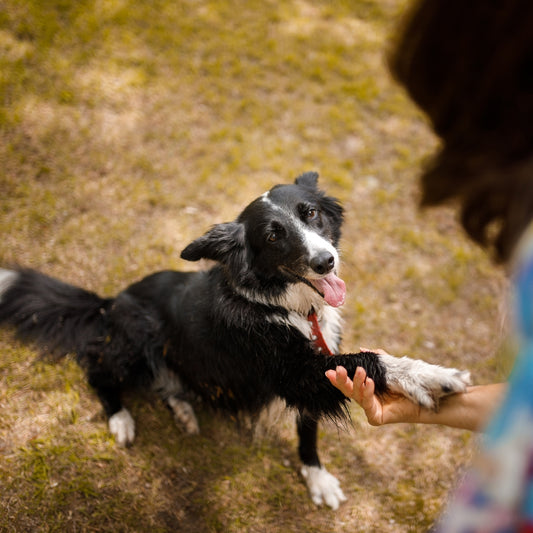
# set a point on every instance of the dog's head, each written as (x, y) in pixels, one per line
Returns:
(282, 249)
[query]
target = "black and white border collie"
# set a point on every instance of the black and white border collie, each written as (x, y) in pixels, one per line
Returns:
(261, 324)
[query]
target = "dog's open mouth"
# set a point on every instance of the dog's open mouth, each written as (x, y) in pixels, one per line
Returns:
(330, 287)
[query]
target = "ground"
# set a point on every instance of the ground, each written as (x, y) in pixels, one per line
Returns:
(126, 130)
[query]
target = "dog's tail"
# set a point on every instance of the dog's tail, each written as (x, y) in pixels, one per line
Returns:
(59, 318)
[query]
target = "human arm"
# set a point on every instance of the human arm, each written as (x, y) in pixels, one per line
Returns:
(469, 410)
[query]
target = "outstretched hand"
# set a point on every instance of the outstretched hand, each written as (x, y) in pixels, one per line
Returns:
(378, 410)
(469, 410)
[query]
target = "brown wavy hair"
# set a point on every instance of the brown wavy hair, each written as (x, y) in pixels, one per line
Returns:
(468, 64)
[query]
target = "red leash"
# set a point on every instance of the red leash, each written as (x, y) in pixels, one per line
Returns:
(316, 335)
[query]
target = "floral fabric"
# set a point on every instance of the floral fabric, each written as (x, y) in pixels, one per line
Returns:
(496, 495)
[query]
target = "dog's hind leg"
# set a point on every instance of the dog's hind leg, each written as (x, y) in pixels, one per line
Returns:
(184, 415)
(323, 486)
(120, 422)
(168, 385)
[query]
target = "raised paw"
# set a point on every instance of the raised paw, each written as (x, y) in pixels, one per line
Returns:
(423, 383)
(323, 487)
(122, 427)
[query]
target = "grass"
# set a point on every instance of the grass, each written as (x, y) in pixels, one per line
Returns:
(126, 130)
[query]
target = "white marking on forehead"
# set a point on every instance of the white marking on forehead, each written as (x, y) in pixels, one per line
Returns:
(265, 197)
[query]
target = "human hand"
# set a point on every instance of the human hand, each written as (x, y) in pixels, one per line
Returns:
(379, 410)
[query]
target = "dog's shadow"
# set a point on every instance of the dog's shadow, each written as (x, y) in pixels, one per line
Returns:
(237, 470)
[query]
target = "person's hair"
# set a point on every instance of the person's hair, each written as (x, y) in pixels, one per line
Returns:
(468, 64)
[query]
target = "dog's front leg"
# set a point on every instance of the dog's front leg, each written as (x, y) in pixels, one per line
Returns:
(120, 422)
(323, 487)
(306, 387)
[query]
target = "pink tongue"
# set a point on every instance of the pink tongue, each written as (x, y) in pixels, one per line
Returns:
(333, 289)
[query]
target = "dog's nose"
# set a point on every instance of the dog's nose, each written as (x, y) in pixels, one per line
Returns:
(323, 262)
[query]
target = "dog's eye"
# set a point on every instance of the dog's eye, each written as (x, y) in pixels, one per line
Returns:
(311, 213)
(274, 232)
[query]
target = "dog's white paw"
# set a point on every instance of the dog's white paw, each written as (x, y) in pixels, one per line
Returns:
(423, 383)
(323, 487)
(122, 427)
(184, 415)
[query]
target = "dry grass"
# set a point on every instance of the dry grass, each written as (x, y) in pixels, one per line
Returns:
(126, 130)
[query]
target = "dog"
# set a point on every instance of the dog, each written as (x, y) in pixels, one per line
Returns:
(262, 324)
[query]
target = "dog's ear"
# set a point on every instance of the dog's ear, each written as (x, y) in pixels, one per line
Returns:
(217, 244)
(308, 180)
(328, 204)
(333, 208)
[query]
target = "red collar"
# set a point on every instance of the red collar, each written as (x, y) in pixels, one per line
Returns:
(316, 334)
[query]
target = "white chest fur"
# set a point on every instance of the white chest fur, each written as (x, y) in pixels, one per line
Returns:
(330, 322)
(331, 325)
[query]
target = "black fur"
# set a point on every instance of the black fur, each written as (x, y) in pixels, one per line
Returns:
(222, 331)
